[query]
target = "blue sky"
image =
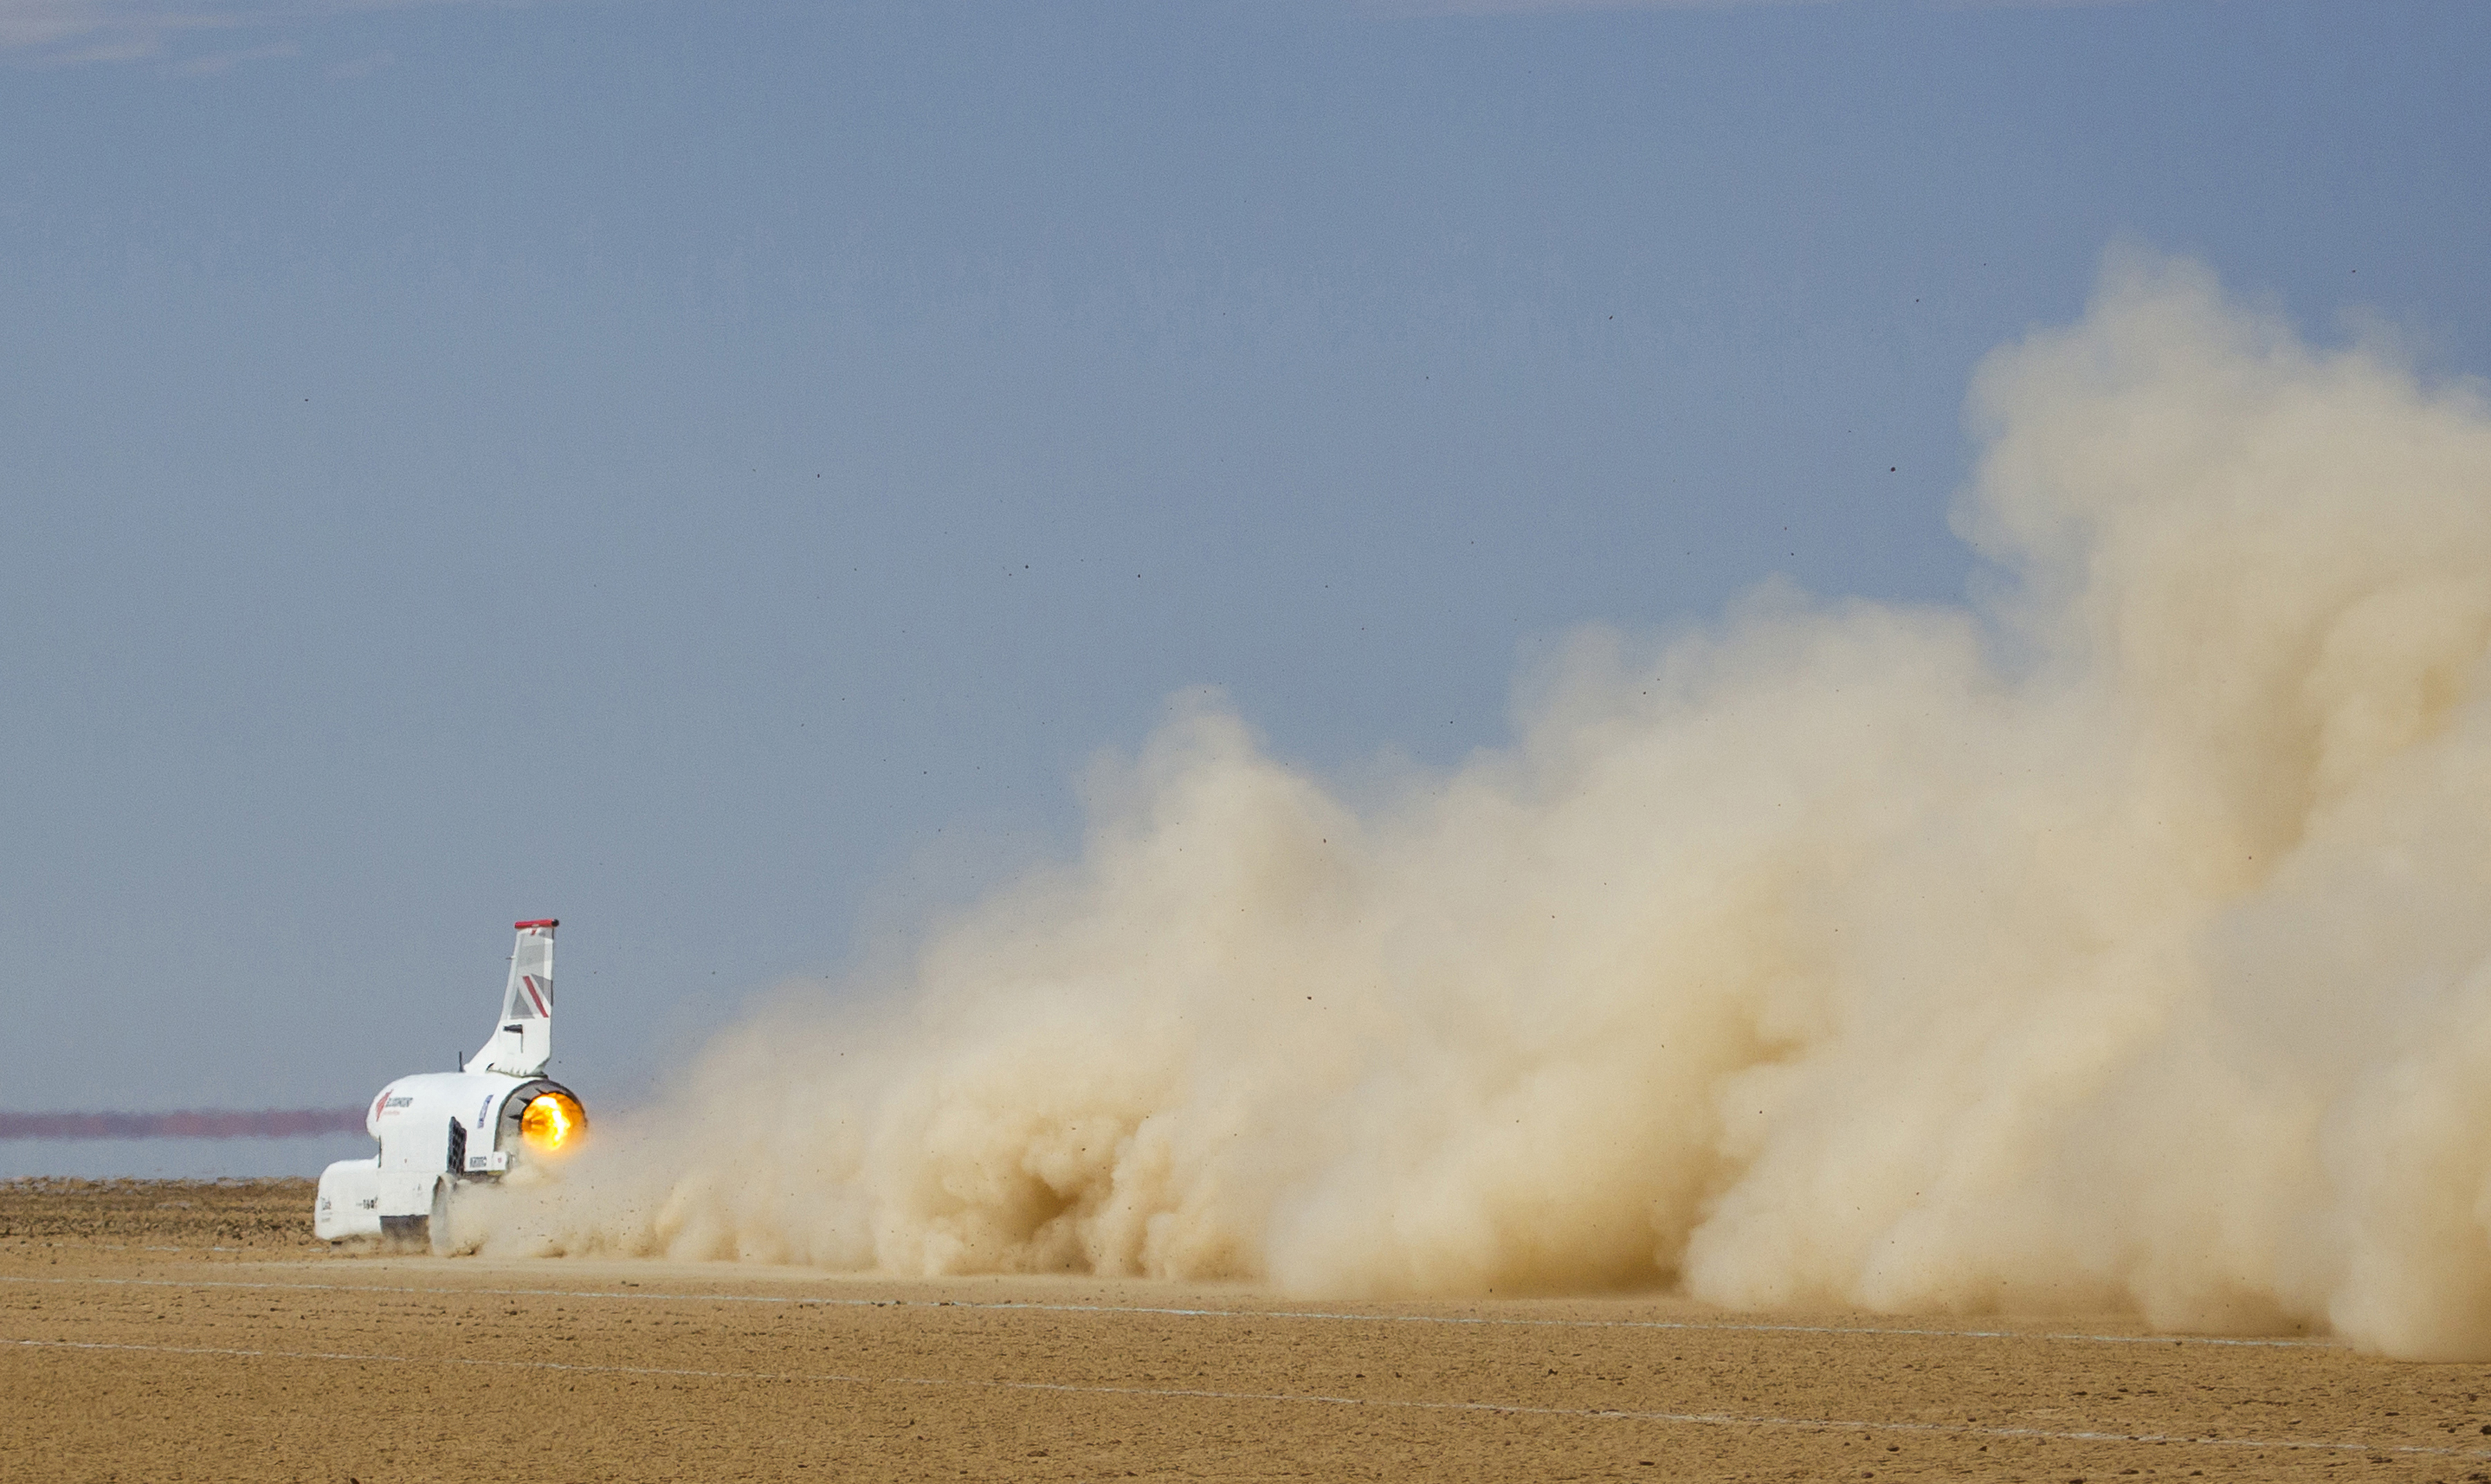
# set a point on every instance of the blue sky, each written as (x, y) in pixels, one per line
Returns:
(717, 473)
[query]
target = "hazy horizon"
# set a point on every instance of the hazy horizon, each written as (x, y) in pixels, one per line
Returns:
(728, 475)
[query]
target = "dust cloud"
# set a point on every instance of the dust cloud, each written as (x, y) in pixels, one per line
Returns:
(2121, 939)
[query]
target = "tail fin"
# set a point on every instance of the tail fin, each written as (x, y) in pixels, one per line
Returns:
(523, 1038)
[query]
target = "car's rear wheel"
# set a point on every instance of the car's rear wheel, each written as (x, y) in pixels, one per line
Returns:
(443, 1234)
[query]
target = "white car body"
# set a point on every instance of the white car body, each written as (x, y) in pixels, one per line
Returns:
(437, 1130)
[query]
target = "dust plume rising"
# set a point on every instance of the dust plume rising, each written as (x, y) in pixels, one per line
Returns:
(2121, 939)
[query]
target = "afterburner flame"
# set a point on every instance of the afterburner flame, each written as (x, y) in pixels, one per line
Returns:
(552, 1123)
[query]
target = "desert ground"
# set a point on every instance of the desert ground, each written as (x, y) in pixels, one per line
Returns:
(164, 1331)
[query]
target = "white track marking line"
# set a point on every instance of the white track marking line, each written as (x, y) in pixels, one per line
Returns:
(803, 1301)
(1503, 1408)
(123, 1246)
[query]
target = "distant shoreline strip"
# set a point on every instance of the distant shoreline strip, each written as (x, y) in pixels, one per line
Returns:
(198, 1124)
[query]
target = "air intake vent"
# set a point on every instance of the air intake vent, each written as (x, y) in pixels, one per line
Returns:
(458, 1146)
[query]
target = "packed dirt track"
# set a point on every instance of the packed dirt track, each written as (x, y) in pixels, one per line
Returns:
(176, 1331)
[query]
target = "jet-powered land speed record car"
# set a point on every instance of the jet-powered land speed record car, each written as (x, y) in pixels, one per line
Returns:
(437, 1130)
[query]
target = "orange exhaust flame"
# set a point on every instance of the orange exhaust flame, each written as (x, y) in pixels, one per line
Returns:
(552, 1123)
